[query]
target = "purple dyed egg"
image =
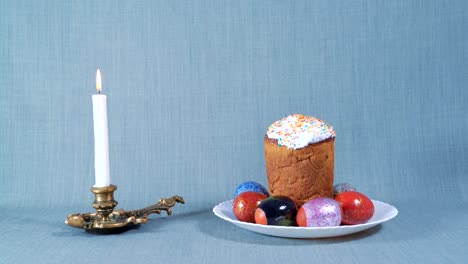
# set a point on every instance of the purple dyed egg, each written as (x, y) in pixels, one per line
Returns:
(343, 187)
(319, 212)
(251, 186)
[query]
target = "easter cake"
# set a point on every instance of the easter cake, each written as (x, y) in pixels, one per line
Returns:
(299, 155)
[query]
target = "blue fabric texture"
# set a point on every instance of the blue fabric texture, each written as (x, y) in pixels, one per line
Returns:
(192, 87)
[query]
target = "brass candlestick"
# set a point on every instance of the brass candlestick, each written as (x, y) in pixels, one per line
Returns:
(106, 220)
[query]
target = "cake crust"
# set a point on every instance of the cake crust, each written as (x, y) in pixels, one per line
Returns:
(301, 174)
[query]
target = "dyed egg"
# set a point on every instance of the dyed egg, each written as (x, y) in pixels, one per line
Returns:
(343, 187)
(276, 210)
(250, 186)
(245, 204)
(319, 212)
(356, 208)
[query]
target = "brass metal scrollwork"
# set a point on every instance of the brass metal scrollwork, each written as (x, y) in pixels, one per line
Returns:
(108, 220)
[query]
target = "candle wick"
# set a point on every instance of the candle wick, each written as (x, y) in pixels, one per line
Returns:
(99, 91)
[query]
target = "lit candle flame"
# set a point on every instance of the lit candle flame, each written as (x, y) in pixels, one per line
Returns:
(98, 81)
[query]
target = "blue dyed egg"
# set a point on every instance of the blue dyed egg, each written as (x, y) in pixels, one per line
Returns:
(251, 186)
(343, 187)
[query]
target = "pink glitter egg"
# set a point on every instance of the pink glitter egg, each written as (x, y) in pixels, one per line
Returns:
(319, 212)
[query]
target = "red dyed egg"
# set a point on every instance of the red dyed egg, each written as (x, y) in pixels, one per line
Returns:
(260, 217)
(245, 204)
(356, 208)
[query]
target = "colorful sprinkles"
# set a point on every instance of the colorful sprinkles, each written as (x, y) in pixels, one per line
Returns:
(297, 131)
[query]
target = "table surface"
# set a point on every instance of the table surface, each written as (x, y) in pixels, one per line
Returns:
(422, 233)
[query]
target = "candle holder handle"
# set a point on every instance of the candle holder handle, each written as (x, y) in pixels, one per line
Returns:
(164, 204)
(107, 220)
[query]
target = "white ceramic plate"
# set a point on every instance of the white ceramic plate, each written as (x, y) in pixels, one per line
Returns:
(383, 212)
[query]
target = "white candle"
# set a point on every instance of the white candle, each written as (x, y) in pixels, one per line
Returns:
(101, 140)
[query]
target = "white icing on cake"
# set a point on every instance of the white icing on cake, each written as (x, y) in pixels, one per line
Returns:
(297, 131)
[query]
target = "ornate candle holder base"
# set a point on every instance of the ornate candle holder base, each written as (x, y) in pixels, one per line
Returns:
(108, 221)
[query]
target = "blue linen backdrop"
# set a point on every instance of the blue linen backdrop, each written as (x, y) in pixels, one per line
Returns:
(192, 87)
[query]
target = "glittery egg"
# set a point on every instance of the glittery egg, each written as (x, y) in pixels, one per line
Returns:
(276, 210)
(319, 212)
(250, 186)
(343, 187)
